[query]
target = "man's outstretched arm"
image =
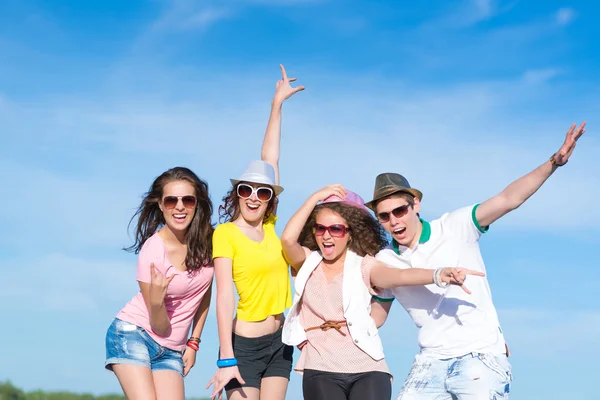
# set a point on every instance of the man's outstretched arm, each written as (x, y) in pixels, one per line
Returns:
(523, 188)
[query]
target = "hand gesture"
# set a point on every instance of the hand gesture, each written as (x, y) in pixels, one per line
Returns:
(189, 360)
(457, 276)
(158, 285)
(222, 378)
(330, 190)
(562, 155)
(283, 89)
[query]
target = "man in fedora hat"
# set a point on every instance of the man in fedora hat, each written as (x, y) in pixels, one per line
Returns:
(463, 351)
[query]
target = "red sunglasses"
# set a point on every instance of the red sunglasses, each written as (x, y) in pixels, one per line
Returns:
(170, 202)
(336, 230)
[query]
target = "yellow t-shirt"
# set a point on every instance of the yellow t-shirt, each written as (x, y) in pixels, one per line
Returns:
(260, 272)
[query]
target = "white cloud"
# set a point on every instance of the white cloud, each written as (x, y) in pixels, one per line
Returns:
(66, 283)
(467, 13)
(185, 16)
(460, 144)
(536, 331)
(191, 15)
(484, 8)
(204, 18)
(565, 16)
(537, 76)
(86, 212)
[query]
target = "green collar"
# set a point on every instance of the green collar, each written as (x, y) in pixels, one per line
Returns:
(425, 235)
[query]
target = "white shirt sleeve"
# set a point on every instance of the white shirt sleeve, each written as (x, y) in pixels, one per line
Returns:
(462, 222)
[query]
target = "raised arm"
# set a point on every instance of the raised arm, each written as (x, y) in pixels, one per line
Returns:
(523, 188)
(270, 148)
(293, 252)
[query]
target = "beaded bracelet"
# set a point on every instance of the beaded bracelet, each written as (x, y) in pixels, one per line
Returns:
(437, 279)
(192, 344)
(226, 362)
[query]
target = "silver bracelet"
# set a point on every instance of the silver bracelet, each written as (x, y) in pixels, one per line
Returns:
(437, 278)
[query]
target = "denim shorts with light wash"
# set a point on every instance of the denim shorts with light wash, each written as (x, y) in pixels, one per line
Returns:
(474, 376)
(127, 343)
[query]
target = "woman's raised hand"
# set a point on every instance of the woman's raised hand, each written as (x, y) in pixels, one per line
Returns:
(158, 285)
(330, 190)
(283, 89)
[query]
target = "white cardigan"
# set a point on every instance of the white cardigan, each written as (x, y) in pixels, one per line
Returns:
(357, 306)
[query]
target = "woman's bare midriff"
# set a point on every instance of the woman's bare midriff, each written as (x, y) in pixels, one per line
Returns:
(267, 326)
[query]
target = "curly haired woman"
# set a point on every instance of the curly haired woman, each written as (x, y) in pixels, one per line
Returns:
(147, 345)
(333, 237)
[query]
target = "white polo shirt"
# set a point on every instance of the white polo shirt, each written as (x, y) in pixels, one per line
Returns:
(463, 323)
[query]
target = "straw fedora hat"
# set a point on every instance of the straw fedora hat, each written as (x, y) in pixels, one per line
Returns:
(389, 183)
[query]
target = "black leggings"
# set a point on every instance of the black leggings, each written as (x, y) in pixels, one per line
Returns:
(322, 385)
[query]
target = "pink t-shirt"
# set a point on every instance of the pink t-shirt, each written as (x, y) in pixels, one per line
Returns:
(184, 294)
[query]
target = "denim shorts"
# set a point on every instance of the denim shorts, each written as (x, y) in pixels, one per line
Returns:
(261, 357)
(472, 376)
(127, 343)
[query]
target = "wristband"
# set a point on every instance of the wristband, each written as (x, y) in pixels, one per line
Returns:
(226, 362)
(193, 345)
(437, 278)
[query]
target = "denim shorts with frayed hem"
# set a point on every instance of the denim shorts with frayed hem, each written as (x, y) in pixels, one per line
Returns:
(127, 343)
(474, 376)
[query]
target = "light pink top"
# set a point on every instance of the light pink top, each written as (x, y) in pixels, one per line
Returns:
(329, 350)
(184, 294)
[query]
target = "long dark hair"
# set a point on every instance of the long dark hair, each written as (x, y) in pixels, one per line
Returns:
(230, 209)
(199, 233)
(368, 237)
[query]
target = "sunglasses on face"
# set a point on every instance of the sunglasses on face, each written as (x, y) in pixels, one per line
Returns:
(336, 230)
(398, 212)
(263, 193)
(170, 202)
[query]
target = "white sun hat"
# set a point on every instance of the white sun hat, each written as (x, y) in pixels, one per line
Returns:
(259, 171)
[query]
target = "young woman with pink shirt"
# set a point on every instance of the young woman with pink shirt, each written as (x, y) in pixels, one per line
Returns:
(147, 345)
(333, 238)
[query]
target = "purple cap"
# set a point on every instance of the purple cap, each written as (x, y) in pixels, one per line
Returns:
(351, 199)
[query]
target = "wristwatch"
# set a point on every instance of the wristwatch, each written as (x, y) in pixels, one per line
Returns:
(553, 161)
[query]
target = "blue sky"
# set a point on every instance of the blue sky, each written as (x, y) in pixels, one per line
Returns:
(99, 97)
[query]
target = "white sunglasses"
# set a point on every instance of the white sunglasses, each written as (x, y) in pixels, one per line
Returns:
(263, 193)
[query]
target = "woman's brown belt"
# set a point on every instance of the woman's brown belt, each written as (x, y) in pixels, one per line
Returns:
(325, 326)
